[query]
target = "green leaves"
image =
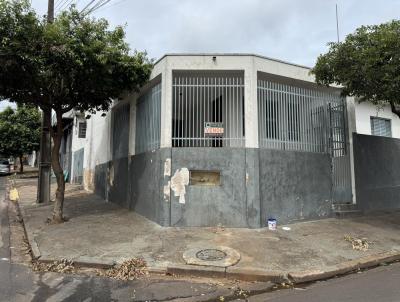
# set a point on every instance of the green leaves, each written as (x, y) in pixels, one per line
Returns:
(367, 64)
(19, 130)
(75, 62)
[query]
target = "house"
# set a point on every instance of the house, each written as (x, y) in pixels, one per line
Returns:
(376, 152)
(231, 139)
(376, 120)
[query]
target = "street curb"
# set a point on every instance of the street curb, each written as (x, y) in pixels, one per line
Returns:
(254, 274)
(248, 274)
(29, 237)
(345, 267)
(80, 263)
(197, 271)
(243, 274)
(34, 249)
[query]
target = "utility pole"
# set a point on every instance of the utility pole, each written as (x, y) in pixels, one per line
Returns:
(43, 195)
(337, 24)
(50, 11)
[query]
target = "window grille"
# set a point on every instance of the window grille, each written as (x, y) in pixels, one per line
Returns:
(120, 131)
(78, 166)
(82, 129)
(337, 123)
(381, 127)
(297, 118)
(148, 120)
(208, 110)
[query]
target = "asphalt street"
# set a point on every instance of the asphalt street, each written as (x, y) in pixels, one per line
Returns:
(381, 284)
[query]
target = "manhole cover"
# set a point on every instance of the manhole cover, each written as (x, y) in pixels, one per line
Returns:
(211, 255)
(220, 256)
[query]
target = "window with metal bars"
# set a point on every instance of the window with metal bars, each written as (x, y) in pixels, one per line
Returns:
(82, 129)
(148, 120)
(381, 126)
(120, 131)
(208, 109)
(292, 117)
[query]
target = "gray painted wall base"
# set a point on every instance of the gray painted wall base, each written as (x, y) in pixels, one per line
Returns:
(212, 205)
(146, 186)
(255, 184)
(294, 185)
(377, 174)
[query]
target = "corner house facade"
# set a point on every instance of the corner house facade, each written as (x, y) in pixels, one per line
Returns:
(231, 139)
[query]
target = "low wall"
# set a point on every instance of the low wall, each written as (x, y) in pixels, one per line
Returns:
(119, 182)
(136, 183)
(377, 172)
(223, 204)
(101, 180)
(146, 176)
(294, 185)
(254, 184)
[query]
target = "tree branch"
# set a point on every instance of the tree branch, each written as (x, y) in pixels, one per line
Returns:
(68, 108)
(395, 109)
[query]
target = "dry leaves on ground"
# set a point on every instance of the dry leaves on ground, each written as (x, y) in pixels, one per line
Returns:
(59, 266)
(357, 243)
(128, 270)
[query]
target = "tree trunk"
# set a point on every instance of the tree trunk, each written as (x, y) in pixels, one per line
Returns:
(58, 171)
(21, 165)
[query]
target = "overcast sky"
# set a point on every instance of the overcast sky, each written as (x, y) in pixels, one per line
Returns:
(291, 30)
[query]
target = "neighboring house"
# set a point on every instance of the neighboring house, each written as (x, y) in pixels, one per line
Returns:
(376, 120)
(75, 149)
(376, 153)
(32, 159)
(231, 139)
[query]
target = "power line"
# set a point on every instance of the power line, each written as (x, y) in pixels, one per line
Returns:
(66, 5)
(60, 3)
(98, 5)
(87, 5)
(113, 4)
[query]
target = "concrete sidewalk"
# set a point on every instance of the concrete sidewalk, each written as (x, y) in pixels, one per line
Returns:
(103, 233)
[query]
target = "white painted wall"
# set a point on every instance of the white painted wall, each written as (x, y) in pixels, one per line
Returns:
(78, 143)
(96, 144)
(32, 159)
(352, 127)
(364, 111)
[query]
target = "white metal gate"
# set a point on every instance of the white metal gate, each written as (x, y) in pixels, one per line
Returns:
(341, 171)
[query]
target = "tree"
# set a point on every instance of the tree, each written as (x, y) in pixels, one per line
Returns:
(76, 62)
(366, 64)
(19, 131)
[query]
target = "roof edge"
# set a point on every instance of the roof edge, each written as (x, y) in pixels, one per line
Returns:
(232, 55)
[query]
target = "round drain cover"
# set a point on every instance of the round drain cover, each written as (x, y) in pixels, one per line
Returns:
(220, 256)
(211, 255)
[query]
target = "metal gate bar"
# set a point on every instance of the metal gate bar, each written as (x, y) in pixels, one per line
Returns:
(148, 120)
(295, 118)
(120, 131)
(199, 100)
